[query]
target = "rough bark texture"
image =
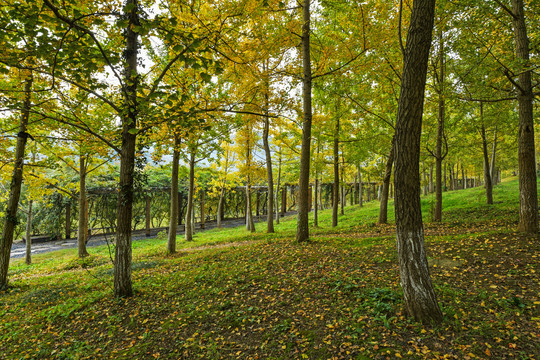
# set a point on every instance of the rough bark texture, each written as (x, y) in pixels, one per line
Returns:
(123, 254)
(10, 220)
(420, 300)
(383, 209)
(528, 198)
(173, 218)
(82, 232)
(188, 233)
(302, 230)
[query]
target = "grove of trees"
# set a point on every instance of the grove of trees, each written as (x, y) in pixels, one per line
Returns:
(262, 93)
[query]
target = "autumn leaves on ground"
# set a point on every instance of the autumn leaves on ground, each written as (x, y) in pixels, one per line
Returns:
(234, 295)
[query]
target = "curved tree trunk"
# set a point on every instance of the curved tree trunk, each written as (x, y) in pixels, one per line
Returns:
(82, 233)
(191, 192)
(173, 218)
(302, 229)
(528, 198)
(383, 210)
(420, 299)
(16, 183)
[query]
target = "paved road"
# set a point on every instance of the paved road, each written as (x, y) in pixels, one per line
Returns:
(18, 250)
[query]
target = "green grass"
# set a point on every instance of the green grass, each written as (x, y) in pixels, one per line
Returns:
(238, 295)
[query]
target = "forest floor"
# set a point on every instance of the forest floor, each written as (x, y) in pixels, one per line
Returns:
(235, 295)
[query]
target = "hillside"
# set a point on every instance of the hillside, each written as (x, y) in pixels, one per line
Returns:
(235, 295)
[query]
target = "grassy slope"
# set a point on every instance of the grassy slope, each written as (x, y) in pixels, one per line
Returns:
(264, 296)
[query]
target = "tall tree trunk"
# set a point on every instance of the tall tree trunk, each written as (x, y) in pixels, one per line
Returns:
(188, 233)
(420, 299)
(203, 216)
(123, 254)
(269, 174)
(302, 229)
(220, 207)
(335, 186)
(528, 198)
(82, 233)
(383, 209)
(28, 255)
(360, 189)
(16, 183)
(250, 223)
(439, 156)
(68, 220)
(425, 187)
(493, 155)
(173, 218)
(277, 189)
(487, 173)
(342, 185)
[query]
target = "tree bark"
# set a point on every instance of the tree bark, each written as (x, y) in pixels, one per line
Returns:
(10, 220)
(188, 233)
(28, 255)
(68, 220)
(123, 254)
(360, 189)
(528, 198)
(487, 173)
(383, 209)
(277, 189)
(335, 186)
(439, 156)
(420, 299)
(173, 216)
(270, 176)
(82, 233)
(493, 155)
(302, 230)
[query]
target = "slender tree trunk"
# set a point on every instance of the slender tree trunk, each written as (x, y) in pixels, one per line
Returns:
(487, 173)
(335, 187)
(220, 207)
(173, 218)
(82, 235)
(28, 255)
(250, 224)
(431, 178)
(528, 198)
(188, 233)
(302, 230)
(463, 177)
(425, 187)
(269, 174)
(68, 220)
(493, 155)
(360, 189)
(439, 156)
(16, 183)
(277, 189)
(343, 199)
(203, 216)
(383, 209)
(420, 299)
